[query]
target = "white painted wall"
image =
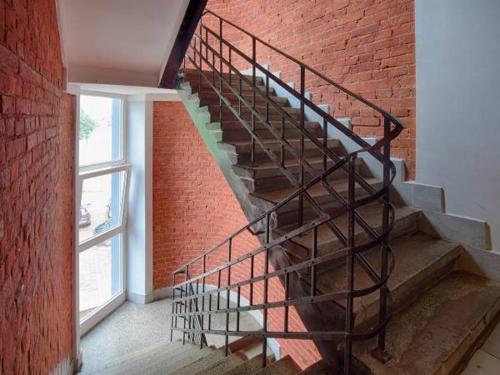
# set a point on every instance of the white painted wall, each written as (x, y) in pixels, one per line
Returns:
(139, 283)
(458, 105)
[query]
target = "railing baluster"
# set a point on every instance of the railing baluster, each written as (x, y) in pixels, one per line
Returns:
(350, 268)
(287, 295)
(266, 290)
(385, 226)
(267, 97)
(173, 309)
(228, 295)
(254, 52)
(221, 87)
(238, 304)
(302, 122)
(314, 254)
(218, 287)
(282, 159)
(202, 324)
(325, 143)
(252, 265)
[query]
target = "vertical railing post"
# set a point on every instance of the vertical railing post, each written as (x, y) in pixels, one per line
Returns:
(282, 153)
(385, 227)
(314, 254)
(254, 80)
(228, 295)
(202, 323)
(301, 153)
(349, 319)
(173, 309)
(266, 289)
(325, 143)
(287, 295)
(221, 70)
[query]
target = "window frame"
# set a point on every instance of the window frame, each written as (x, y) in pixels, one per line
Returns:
(98, 238)
(95, 170)
(123, 132)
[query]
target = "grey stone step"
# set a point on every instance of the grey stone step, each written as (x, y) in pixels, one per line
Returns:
(285, 366)
(420, 260)
(201, 364)
(192, 75)
(245, 88)
(212, 97)
(405, 222)
(244, 147)
(288, 214)
(246, 113)
(242, 134)
(151, 359)
(227, 364)
(249, 367)
(434, 334)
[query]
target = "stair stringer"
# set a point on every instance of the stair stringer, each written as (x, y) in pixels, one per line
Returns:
(316, 317)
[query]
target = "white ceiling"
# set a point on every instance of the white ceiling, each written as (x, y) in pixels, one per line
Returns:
(118, 41)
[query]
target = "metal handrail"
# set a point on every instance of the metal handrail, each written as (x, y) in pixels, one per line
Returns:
(350, 252)
(383, 112)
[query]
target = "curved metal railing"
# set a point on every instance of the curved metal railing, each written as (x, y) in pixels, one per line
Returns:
(191, 294)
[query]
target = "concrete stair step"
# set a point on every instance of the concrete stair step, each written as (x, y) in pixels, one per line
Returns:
(246, 113)
(236, 125)
(243, 149)
(212, 98)
(277, 181)
(433, 335)
(227, 364)
(246, 89)
(204, 364)
(152, 358)
(192, 75)
(284, 366)
(288, 214)
(242, 134)
(420, 261)
(405, 222)
(249, 367)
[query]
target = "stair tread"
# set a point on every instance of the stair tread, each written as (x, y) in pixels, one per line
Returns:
(226, 364)
(202, 363)
(433, 334)
(316, 191)
(371, 213)
(247, 368)
(284, 366)
(269, 164)
(155, 357)
(414, 254)
(307, 142)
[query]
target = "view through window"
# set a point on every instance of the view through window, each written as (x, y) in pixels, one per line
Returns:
(102, 191)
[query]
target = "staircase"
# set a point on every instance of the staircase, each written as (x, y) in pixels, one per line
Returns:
(377, 289)
(178, 359)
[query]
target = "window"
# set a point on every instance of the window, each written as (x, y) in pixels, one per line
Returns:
(102, 193)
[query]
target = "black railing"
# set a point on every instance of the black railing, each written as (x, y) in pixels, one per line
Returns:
(216, 70)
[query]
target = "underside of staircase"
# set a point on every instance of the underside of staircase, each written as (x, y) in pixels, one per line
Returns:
(438, 312)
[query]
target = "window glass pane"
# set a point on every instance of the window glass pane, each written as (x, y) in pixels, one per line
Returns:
(101, 204)
(100, 129)
(100, 275)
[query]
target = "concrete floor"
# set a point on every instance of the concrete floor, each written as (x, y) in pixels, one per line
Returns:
(130, 328)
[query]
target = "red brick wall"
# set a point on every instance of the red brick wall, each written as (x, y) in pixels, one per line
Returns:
(366, 45)
(36, 192)
(194, 209)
